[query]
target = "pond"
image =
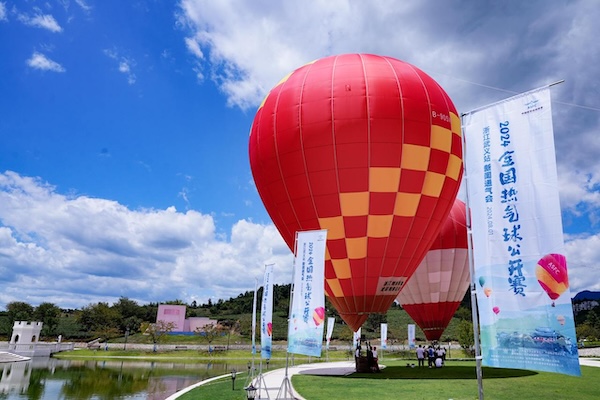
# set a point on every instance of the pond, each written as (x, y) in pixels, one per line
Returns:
(54, 379)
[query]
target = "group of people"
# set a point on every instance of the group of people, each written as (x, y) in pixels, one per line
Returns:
(372, 360)
(436, 356)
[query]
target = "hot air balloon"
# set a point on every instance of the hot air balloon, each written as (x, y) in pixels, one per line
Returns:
(434, 292)
(369, 148)
(551, 273)
(496, 310)
(487, 291)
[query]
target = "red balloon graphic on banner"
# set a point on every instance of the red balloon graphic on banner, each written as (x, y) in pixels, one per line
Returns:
(369, 148)
(496, 310)
(434, 292)
(551, 273)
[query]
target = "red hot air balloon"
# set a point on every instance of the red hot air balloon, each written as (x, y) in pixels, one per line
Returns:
(434, 292)
(551, 273)
(369, 148)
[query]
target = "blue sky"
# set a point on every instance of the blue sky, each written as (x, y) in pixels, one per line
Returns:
(124, 128)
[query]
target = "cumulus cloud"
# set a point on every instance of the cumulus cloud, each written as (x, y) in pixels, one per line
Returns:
(73, 250)
(40, 61)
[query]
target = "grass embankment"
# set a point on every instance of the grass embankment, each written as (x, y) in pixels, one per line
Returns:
(456, 381)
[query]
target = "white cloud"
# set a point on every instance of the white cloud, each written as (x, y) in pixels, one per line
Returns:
(84, 6)
(3, 16)
(73, 250)
(124, 66)
(40, 61)
(45, 21)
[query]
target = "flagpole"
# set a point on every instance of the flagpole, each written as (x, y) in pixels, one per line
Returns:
(254, 325)
(473, 287)
(286, 385)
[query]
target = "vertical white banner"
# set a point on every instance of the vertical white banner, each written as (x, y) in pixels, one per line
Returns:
(411, 336)
(305, 329)
(266, 314)
(525, 313)
(356, 338)
(384, 336)
(330, 324)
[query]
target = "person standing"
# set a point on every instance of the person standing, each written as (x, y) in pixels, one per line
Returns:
(430, 357)
(375, 360)
(421, 356)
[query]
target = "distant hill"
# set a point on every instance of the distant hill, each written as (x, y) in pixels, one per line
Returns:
(587, 295)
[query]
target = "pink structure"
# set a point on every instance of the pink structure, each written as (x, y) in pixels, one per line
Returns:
(176, 314)
(172, 313)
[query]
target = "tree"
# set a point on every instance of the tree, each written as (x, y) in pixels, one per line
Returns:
(130, 314)
(209, 333)
(158, 331)
(48, 314)
(100, 319)
(465, 335)
(19, 311)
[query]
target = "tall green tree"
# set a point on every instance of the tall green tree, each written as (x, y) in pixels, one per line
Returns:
(19, 311)
(48, 314)
(99, 319)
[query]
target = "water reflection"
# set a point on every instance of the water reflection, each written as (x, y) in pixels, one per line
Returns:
(53, 379)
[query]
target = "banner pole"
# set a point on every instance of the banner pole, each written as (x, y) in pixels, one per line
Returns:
(286, 386)
(473, 287)
(254, 325)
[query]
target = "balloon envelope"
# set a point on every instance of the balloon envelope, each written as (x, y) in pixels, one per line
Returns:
(551, 273)
(369, 148)
(434, 292)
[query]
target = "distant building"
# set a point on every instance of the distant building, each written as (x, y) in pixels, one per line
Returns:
(176, 314)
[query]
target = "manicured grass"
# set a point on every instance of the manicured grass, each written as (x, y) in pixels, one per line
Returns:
(219, 390)
(457, 381)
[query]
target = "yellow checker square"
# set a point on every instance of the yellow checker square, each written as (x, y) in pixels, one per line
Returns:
(356, 247)
(441, 138)
(334, 226)
(454, 167)
(407, 204)
(341, 268)
(354, 204)
(432, 186)
(336, 288)
(382, 179)
(455, 124)
(415, 157)
(379, 226)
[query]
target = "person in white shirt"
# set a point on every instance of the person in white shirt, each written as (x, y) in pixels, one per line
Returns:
(421, 356)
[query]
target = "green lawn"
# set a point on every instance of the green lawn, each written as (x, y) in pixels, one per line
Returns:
(456, 381)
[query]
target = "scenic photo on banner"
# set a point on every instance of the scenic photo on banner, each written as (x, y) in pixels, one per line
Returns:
(305, 329)
(523, 296)
(384, 336)
(266, 314)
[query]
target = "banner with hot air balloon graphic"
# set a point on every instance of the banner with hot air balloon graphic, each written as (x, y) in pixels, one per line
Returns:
(525, 312)
(266, 314)
(305, 329)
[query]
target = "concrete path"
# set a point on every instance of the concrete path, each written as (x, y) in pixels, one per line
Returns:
(272, 386)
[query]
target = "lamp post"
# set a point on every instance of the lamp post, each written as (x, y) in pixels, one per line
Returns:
(250, 392)
(126, 336)
(233, 374)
